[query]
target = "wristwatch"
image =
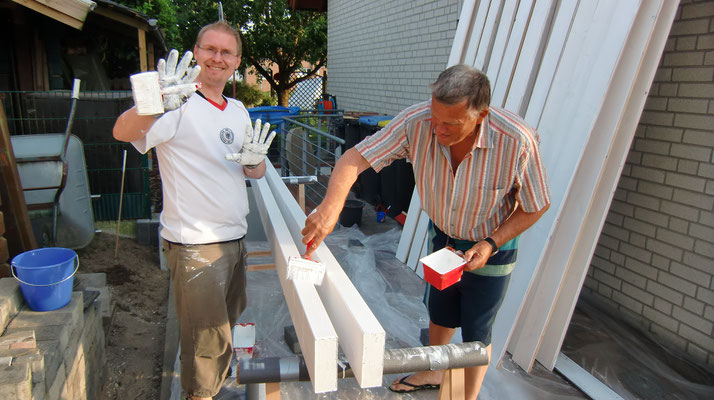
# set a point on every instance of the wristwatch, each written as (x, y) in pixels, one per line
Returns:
(494, 248)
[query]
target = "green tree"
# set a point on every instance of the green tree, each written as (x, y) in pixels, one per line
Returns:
(276, 40)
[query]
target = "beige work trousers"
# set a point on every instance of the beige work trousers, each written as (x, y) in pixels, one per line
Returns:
(209, 293)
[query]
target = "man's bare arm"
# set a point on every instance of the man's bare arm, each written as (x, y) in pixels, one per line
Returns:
(131, 126)
(319, 224)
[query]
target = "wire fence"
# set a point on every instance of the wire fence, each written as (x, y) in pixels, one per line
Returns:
(306, 93)
(30, 113)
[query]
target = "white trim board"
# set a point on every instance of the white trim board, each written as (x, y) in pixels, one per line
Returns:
(653, 37)
(590, 60)
(581, 378)
(315, 333)
(361, 337)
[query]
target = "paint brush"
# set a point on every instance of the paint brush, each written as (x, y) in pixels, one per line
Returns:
(305, 269)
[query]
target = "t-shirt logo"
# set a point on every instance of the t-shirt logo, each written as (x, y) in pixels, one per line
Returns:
(227, 135)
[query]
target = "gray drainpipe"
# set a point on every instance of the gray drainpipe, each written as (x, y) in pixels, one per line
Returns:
(254, 371)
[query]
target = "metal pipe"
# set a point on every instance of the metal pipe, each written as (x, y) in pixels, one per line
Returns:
(429, 358)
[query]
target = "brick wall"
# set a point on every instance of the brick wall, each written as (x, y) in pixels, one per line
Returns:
(382, 55)
(655, 258)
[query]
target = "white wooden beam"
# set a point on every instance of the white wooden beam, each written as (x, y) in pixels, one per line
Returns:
(361, 336)
(620, 115)
(315, 333)
(586, 68)
(581, 378)
(410, 224)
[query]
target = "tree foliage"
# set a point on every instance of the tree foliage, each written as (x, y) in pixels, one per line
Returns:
(275, 39)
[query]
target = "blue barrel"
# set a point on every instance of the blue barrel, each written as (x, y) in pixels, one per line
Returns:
(46, 276)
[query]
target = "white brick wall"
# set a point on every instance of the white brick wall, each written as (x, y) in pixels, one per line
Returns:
(382, 55)
(655, 257)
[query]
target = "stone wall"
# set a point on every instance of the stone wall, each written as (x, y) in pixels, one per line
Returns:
(57, 354)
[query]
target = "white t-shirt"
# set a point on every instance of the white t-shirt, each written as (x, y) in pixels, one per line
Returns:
(204, 196)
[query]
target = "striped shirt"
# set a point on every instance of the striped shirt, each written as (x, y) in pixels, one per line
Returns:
(503, 170)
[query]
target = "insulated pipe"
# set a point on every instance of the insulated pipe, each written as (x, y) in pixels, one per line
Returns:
(430, 358)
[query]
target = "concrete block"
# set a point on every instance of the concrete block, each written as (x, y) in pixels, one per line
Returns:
(627, 302)
(607, 279)
(11, 301)
(89, 281)
(693, 320)
(697, 354)
(699, 262)
(639, 226)
(18, 340)
(655, 190)
(704, 248)
(679, 210)
(677, 283)
(666, 293)
(666, 134)
(644, 201)
(706, 341)
(37, 365)
(147, 231)
(638, 240)
(662, 306)
(58, 333)
(706, 170)
(692, 74)
(683, 58)
(660, 118)
(678, 225)
(635, 252)
(55, 387)
(659, 161)
(651, 146)
(601, 264)
(696, 90)
(15, 382)
(697, 10)
(675, 239)
(691, 274)
(705, 295)
(661, 319)
(695, 306)
(685, 43)
(71, 314)
(632, 278)
(705, 42)
(39, 392)
(648, 174)
(53, 360)
(637, 294)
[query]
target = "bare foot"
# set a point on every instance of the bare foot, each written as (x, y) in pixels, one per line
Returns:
(417, 381)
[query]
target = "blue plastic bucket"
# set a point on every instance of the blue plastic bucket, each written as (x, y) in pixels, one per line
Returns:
(46, 276)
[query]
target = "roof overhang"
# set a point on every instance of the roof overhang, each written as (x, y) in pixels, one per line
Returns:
(69, 12)
(313, 5)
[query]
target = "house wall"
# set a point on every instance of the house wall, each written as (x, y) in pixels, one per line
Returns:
(382, 55)
(655, 257)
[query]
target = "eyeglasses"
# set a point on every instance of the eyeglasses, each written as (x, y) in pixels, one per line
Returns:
(225, 54)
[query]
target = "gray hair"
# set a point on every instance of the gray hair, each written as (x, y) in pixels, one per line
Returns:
(461, 82)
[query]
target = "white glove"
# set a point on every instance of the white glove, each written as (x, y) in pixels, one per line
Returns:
(255, 146)
(177, 81)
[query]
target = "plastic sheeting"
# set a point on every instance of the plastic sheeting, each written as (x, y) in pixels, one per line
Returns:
(630, 362)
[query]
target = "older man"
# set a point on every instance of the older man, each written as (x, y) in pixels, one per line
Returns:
(481, 181)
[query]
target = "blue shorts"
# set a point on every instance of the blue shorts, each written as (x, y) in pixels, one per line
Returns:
(471, 303)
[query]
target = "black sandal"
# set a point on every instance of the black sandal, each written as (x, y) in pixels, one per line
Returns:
(414, 387)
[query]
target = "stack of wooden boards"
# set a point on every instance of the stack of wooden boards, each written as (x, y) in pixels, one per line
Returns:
(327, 315)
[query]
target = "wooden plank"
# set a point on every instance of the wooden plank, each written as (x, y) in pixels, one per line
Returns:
(18, 229)
(453, 385)
(315, 332)
(2, 222)
(77, 9)
(415, 252)
(4, 253)
(52, 13)
(458, 49)
(477, 32)
(504, 27)
(549, 64)
(260, 267)
(361, 336)
(262, 253)
(581, 378)
(141, 36)
(530, 57)
(621, 115)
(483, 48)
(124, 19)
(405, 240)
(605, 30)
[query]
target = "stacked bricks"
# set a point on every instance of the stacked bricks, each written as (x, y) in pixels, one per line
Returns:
(654, 262)
(50, 355)
(384, 53)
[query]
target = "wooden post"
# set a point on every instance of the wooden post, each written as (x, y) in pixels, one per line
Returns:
(301, 196)
(18, 231)
(272, 391)
(452, 385)
(142, 50)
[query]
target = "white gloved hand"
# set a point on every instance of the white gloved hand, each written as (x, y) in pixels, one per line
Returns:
(255, 145)
(177, 81)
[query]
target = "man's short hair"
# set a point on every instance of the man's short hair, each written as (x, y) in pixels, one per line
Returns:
(461, 82)
(220, 26)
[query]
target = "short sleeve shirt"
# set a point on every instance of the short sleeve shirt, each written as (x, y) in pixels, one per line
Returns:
(502, 171)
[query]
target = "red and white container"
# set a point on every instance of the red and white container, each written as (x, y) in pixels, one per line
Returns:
(443, 268)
